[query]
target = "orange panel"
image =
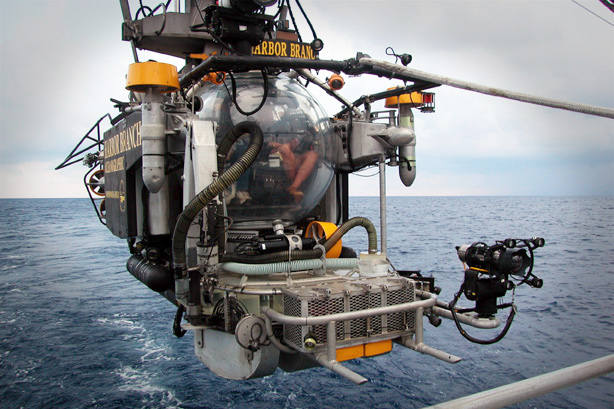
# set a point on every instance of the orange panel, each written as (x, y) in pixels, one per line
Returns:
(378, 348)
(345, 354)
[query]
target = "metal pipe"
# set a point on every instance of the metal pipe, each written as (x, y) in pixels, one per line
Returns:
(465, 319)
(530, 388)
(419, 326)
(484, 89)
(312, 78)
(236, 62)
(382, 204)
(271, 336)
(444, 311)
(339, 369)
(346, 316)
(419, 346)
(331, 341)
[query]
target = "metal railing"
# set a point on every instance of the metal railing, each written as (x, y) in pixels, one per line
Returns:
(530, 388)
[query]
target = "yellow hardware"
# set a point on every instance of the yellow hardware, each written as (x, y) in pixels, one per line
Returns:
(414, 99)
(325, 230)
(310, 342)
(152, 75)
(216, 78)
(199, 56)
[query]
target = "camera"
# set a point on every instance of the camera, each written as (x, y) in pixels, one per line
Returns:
(492, 269)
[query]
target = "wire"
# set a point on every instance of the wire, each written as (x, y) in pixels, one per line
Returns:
(367, 176)
(233, 95)
(464, 333)
(593, 13)
(294, 22)
(313, 31)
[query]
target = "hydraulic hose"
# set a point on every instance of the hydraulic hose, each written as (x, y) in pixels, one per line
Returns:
(315, 253)
(226, 179)
(295, 265)
(350, 224)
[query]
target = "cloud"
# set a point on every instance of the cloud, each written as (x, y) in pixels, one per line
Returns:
(54, 86)
(35, 179)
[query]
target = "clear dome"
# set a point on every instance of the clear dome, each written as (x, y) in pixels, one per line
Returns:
(293, 170)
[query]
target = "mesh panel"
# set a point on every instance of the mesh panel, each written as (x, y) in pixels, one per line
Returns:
(396, 321)
(292, 333)
(359, 328)
(348, 297)
(326, 307)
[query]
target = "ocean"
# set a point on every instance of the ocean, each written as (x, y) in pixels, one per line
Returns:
(78, 331)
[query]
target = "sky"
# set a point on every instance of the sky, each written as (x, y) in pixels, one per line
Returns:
(61, 61)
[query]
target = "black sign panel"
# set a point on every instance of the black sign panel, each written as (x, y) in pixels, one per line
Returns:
(283, 48)
(122, 160)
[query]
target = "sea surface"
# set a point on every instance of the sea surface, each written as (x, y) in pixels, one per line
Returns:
(78, 331)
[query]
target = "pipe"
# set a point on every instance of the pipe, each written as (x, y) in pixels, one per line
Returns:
(350, 224)
(474, 322)
(419, 346)
(346, 316)
(442, 309)
(530, 388)
(226, 179)
(339, 369)
(496, 92)
(312, 78)
(382, 204)
(294, 265)
(271, 336)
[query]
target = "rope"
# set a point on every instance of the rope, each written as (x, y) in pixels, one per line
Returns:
(496, 92)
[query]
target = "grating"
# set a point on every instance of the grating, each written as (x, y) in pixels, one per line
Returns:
(346, 296)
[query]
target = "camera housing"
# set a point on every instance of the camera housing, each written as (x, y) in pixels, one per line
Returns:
(491, 268)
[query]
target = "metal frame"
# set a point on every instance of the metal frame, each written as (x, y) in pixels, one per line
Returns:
(98, 142)
(328, 357)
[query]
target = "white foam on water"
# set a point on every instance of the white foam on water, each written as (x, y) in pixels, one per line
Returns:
(140, 381)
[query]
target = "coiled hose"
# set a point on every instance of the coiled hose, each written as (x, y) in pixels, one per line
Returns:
(198, 202)
(314, 253)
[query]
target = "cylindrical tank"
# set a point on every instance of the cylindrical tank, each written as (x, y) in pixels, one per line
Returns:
(155, 276)
(407, 153)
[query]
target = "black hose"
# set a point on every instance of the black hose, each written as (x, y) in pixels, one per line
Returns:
(464, 333)
(198, 202)
(310, 254)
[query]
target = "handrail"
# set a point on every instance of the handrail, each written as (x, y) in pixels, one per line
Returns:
(346, 316)
(530, 388)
